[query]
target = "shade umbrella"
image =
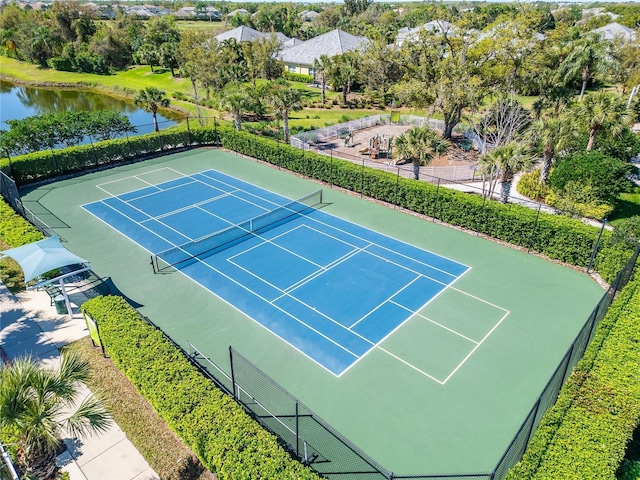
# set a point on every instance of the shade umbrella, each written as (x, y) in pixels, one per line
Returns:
(43, 256)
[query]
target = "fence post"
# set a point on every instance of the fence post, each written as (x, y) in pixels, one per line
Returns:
(188, 132)
(331, 167)
(435, 205)
(297, 432)
(55, 162)
(362, 180)
(480, 223)
(233, 376)
(533, 421)
(11, 173)
(533, 231)
(395, 200)
(595, 248)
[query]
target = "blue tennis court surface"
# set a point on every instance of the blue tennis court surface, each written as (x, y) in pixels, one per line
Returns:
(328, 287)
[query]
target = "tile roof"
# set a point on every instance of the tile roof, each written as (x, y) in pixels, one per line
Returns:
(615, 30)
(335, 42)
(247, 34)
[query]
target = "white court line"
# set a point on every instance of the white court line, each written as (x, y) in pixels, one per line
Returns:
(99, 185)
(411, 366)
(343, 220)
(348, 234)
(475, 348)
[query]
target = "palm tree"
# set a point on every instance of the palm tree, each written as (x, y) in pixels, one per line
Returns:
(590, 56)
(548, 134)
(502, 163)
(603, 111)
(150, 99)
(283, 99)
(419, 145)
(34, 406)
(321, 66)
(235, 98)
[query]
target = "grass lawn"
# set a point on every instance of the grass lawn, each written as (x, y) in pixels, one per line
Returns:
(205, 26)
(627, 206)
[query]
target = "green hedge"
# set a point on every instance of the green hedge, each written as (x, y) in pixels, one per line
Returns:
(585, 434)
(227, 441)
(557, 237)
(298, 77)
(15, 231)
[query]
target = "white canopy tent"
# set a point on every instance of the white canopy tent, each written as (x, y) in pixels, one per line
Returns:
(43, 256)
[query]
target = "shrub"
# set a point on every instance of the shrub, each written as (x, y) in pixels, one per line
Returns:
(529, 185)
(225, 439)
(605, 175)
(298, 77)
(580, 200)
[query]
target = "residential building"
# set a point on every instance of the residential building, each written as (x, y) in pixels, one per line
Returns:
(300, 58)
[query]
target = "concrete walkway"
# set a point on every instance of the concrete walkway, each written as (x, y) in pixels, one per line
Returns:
(29, 325)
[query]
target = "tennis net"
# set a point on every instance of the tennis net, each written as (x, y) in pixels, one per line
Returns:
(225, 238)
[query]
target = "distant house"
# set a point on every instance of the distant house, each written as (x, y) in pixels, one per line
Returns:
(308, 15)
(239, 11)
(212, 13)
(139, 11)
(300, 58)
(248, 34)
(614, 31)
(185, 12)
(438, 27)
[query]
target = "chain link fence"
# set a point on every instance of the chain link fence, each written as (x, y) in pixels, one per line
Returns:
(316, 443)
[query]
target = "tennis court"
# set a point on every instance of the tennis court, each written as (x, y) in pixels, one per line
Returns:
(331, 289)
(423, 345)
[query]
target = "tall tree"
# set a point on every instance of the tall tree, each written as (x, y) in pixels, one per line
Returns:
(602, 111)
(283, 100)
(419, 145)
(236, 98)
(589, 57)
(322, 66)
(151, 99)
(37, 404)
(344, 72)
(502, 164)
(548, 135)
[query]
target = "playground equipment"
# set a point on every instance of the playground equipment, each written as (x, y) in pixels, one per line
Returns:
(380, 146)
(347, 135)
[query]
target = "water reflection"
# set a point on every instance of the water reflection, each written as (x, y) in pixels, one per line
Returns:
(18, 102)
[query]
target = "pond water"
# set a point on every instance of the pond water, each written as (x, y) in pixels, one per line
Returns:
(18, 102)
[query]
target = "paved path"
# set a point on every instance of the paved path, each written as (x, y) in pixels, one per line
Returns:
(29, 325)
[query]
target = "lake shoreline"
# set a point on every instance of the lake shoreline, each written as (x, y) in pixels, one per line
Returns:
(125, 94)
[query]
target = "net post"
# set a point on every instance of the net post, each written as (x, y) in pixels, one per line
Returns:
(153, 265)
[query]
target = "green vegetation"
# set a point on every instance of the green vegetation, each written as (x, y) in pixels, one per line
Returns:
(166, 454)
(15, 231)
(226, 440)
(627, 205)
(585, 434)
(38, 404)
(560, 238)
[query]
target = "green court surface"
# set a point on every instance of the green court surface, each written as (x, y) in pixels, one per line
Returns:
(445, 393)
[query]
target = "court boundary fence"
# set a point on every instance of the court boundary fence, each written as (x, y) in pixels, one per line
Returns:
(275, 419)
(315, 443)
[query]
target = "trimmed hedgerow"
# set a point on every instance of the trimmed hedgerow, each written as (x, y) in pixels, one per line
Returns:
(225, 439)
(15, 231)
(585, 434)
(558, 237)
